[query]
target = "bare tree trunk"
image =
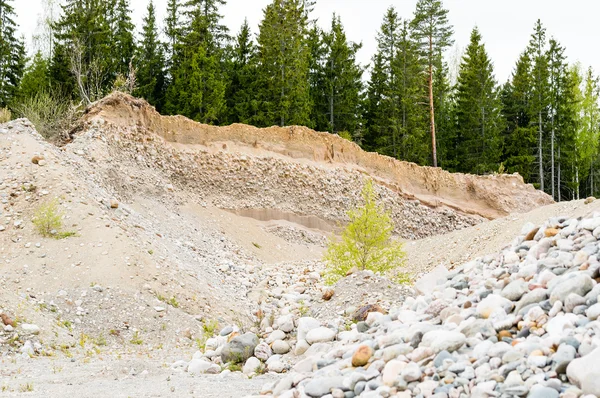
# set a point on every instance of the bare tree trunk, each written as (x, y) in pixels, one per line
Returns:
(552, 159)
(432, 110)
(331, 126)
(577, 181)
(558, 180)
(541, 166)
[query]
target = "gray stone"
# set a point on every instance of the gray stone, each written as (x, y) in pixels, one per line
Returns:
(577, 283)
(280, 347)
(443, 340)
(515, 290)
(320, 335)
(263, 351)
(563, 356)
(305, 324)
(584, 372)
(198, 366)
(240, 348)
(323, 385)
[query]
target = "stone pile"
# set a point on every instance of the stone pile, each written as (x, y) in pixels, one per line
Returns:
(523, 322)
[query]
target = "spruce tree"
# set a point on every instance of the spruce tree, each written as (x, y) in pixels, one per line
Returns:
(198, 82)
(562, 113)
(539, 98)
(151, 62)
(241, 103)
(316, 78)
(283, 56)
(374, 115)
(122, 42)
(36, 77)
(478, 111)
(83, 62)
(589, 122)
(519, 137)
(383, 95)
(434, 33)
(342, 80)
(412, 116)
(12, 54)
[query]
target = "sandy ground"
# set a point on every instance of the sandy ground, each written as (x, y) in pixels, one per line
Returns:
(119, 378)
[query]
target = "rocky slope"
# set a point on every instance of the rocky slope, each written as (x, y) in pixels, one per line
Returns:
(524, 321)
(294, 170)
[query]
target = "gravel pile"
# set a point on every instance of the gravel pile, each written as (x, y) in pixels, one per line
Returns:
(523, 322)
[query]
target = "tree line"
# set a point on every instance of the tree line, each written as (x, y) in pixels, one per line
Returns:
(543, 122)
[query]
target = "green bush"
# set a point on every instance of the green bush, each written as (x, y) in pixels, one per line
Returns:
(366, 242)
(48, 221)
(51, 114)
(5, 115)
(345, 135)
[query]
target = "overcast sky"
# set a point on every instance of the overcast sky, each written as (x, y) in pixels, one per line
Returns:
(504, 24)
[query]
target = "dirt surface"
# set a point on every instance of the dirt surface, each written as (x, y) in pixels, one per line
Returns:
(127, 376)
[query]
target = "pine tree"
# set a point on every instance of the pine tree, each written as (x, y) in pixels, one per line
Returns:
(519, 138)
(151, 61)
(478, 111)
(12, 54)
(283, 57)
(36, 77)
(434, 33)
(539, 99)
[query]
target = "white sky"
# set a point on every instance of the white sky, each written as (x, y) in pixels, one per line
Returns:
(504, 24)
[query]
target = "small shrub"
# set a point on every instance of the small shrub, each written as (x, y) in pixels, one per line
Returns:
(27, 387)
(345, 135)
(51, 114)
(48, 221)
(5, 115)
(48, 218)
(366, 242)
(136, 339)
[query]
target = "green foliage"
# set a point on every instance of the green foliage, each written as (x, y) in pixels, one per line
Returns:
(477, 112)
(336, 89)
(12, 54)
(283, 58)
(36, 77)
(345, 135)
(136, 339)
(366, 242)
(51, 114)
(5, 115)
(150, 59)
(48, 219)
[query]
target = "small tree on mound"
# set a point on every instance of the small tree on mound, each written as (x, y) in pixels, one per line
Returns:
(366, 243)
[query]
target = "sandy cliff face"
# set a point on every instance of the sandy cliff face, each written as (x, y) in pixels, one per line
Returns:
(295, 169)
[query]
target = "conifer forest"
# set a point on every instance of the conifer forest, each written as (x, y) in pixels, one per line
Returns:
(543, 123)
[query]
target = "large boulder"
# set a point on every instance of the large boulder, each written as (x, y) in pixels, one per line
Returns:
(584, 372)
(240, 348)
